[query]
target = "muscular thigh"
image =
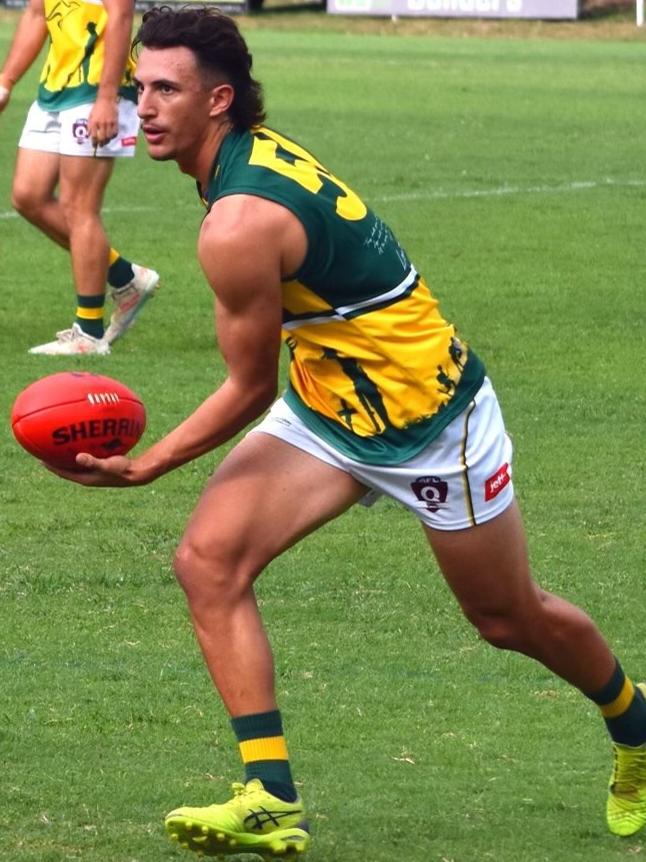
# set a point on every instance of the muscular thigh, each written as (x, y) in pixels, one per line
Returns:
(487, 566)
(83, 181)
(265, 495)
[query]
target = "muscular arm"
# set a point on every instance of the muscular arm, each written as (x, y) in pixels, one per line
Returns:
(241, 250)
(103, 122)
(248, 319)
(29, 38)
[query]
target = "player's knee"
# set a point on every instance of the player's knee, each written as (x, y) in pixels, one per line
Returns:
(193, 566)
(24, 202)
(501, 631)
(208, 575)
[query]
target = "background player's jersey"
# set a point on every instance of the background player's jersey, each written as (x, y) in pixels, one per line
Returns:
(375, 369)
(74, 62)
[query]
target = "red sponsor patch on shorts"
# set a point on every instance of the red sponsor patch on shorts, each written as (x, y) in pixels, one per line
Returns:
(494, 484)
(129, 142)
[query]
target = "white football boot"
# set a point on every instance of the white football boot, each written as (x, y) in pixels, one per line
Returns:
(72, 342)
(129, 300)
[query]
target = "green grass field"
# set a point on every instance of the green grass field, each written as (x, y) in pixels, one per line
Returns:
(512, 170)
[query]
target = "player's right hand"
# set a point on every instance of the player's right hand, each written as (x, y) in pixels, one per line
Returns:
(5, 95)
(103, 122)
(114, 472)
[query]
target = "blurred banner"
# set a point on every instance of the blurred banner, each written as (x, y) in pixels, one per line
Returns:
(232, 7)
(554, 9)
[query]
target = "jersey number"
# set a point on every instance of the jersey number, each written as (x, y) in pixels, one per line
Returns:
(304, 170)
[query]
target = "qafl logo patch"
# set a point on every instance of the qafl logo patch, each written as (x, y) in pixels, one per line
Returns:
(80, 131)
(432, 491)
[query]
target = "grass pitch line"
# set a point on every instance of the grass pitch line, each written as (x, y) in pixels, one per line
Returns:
(499, 191)
(6, 214)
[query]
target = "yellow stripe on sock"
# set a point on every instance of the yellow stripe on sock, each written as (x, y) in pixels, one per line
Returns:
(113, 256)
(89, 313)
(267, 748)
(621, 703)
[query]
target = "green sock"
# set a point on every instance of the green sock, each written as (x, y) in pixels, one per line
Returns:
(264, 752)
(89, 314)
(623, 707)
(120, 272)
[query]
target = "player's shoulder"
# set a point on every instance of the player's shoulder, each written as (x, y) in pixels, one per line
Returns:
(244, 219)
(247, 234)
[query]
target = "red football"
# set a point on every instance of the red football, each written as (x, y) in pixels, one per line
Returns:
(59, 416)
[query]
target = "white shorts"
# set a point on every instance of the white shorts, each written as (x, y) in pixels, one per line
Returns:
(461, 479)
(65, 132)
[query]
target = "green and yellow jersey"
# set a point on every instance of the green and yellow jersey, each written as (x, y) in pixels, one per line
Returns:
(72, 69)
(375, 369)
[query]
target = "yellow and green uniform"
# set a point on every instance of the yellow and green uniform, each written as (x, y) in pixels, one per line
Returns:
(375, 369)
(73, 65)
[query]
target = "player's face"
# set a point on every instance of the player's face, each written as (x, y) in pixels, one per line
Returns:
(175, 104)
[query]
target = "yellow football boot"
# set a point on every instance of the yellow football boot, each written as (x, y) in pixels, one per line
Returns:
(253, 821)
(626, 807)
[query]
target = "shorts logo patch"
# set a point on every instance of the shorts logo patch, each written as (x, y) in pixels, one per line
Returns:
(80, 131)
(494, 484)
(431, 490)
(129, 142)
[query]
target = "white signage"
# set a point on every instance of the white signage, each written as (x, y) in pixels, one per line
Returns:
(554, 9)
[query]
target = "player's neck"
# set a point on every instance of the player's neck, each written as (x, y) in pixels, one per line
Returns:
(198, 164)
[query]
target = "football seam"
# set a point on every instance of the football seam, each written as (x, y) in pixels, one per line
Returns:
(67, 403)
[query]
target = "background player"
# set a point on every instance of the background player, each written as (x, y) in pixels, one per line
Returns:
(383, 397)
(84, 118)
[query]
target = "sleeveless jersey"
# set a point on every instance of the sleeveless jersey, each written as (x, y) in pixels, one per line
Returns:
(375, 369)
(73, 65)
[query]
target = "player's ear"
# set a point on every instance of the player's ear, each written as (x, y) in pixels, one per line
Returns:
(222, 97)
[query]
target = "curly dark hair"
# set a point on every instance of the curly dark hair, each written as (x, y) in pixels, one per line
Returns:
(219, 48)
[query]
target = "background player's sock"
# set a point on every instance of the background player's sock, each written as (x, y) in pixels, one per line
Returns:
(89, 314)
(120, 271)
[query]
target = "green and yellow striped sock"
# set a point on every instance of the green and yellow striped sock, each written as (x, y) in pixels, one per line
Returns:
(264, 752)
(89, 314)
(623, 707)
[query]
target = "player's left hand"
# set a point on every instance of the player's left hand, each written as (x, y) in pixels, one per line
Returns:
(103, 122)
(115, 472)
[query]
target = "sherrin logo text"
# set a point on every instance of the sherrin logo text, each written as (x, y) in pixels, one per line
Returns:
(96, 428)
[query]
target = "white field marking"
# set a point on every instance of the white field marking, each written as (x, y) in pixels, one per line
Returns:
(501, 191)
(117, 209)
(439, 194)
